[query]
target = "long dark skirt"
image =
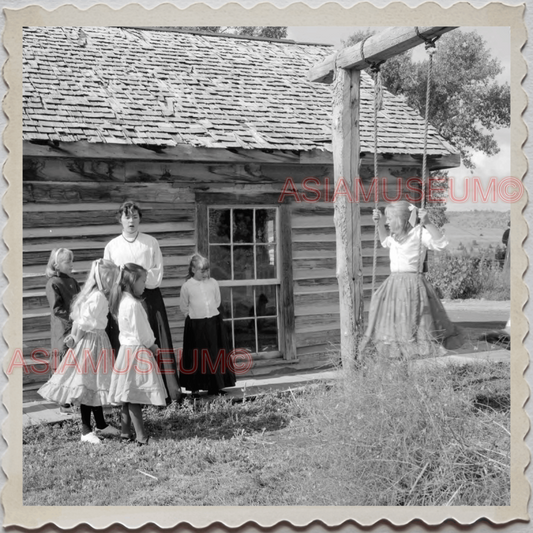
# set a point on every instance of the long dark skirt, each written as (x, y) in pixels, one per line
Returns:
(157, 317)
(399, 328)
(206, 362)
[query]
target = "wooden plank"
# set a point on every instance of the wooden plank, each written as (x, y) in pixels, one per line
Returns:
(380, 47)
(54, 192)
(286, 295)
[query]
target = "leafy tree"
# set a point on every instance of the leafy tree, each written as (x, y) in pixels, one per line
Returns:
(466, 102)
(269, 32)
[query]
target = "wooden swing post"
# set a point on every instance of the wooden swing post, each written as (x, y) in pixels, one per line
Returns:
(344, 69)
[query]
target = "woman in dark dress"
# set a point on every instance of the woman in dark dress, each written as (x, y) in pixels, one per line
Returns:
(132, 246)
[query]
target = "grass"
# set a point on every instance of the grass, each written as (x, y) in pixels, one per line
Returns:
(360, 440)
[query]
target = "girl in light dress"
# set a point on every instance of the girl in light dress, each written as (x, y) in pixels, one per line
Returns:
(84, 375)
(136, 378)
(206, 362)
(406, 317)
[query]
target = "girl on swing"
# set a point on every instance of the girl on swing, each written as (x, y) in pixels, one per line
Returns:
(398, 325)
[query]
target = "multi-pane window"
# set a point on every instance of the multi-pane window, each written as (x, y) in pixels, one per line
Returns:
(243, 252)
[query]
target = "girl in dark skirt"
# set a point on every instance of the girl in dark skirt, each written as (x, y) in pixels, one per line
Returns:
(407, 319)
(206, 361)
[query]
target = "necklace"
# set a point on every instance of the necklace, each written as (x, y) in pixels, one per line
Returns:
(133, 240)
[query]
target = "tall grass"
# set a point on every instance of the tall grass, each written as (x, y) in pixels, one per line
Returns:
(399, 436)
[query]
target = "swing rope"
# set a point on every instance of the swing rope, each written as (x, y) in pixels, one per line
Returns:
(378, 104)
(431, 49)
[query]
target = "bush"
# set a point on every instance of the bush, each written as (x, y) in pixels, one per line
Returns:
(474, 274)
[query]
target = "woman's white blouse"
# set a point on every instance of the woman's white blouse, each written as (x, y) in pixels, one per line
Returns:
(93, 313)
(143, 251)
(133, 323)
(200, 299)
(404, 256)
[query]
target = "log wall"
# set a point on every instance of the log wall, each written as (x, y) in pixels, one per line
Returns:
(72, 203)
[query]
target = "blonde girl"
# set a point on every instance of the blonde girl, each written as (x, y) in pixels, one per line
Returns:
(61, 289)
(136, 377)
(204, 334)
(406, 316)
(84, 375)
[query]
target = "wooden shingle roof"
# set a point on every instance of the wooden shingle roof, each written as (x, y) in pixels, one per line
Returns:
(151, 87)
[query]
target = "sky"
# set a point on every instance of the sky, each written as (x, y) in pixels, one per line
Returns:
(498, 40)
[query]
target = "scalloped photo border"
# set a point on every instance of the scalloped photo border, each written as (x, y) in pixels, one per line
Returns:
(331, 14)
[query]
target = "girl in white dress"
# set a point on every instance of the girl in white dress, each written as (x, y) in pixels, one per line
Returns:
(136, 378)
(206, 362)
(84, 375)
(406, 317)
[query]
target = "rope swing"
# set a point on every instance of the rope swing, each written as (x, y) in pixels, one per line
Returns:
(431, 49)
(378, 105)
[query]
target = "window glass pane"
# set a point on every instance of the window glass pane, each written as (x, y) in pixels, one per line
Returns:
(266, 261)
(243, 262)
(229, 330)
(243, 225)
(265, 225)
(265, 300)
(219, 225)
(243, 302)
(267, 333)
(219, 259)
(225, 296)
(245, 335)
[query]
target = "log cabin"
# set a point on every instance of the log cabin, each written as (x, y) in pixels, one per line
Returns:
(228, 148)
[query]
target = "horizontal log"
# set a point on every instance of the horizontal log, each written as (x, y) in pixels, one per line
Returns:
(310, 323)
(54, 192)
(64, 241)
(318, 337)
(379, 47)
(304, 274)
(45, 215)
(106, 229)
(40, 257)
(74, 244)
(317, 249)
(195, 174)
(186, 153)
(316, 284)
(182, 152)
(265, 199)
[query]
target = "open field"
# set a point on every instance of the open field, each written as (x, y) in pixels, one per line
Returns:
(484, 227)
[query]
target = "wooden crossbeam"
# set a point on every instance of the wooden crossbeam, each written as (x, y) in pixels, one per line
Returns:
(380, 47)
